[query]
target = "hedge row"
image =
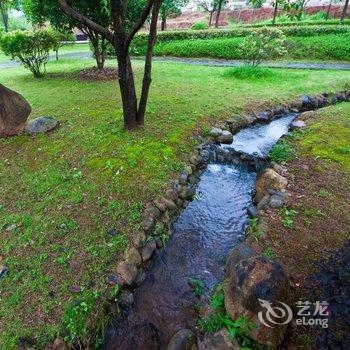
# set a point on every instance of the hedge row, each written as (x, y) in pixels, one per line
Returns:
(140, 40)
(326, 47)
(301, 23)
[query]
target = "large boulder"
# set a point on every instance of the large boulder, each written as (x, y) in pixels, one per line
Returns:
(250, 286)
(14, 112)
(269, 180)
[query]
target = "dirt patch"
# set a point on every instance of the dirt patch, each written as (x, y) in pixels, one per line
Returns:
(320, 193)
(98, 74)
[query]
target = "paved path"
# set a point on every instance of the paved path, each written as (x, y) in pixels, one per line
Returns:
(206, 62)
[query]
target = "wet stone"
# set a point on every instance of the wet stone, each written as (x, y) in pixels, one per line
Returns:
(112, 232)
(112, 280)
(148, 250)
(126, 298)
(127, 272)
(4, 271)
(252, 211)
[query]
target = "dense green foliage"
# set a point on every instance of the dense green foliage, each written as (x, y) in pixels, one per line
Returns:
(200, 26)
(31, 48)
(330, 47)
(264, 43)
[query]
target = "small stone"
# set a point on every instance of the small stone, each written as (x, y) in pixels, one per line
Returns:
(126, 298)
(215, 132)
(170, 204)
(74, 289)
(179, 203)
(41, 125)
(127, 272)
(165, 218)
(134, 257)
(276, 201)
(252, 211)
(220, 341)
(196, 160)
(226, 137)
(263, 203)
(298, 124)
(184, 339)
(263, 117)
(139, 240)
(159, 243)
(140, 277)
(148, 224)
(183, 178)
(153, 212)
(188, 169)
(112, 232)
(4, 271)
(160, 203)
(112, 280)
(9, 227)
(148, 250)
(59, 344)
(62, 226)
(171, 195)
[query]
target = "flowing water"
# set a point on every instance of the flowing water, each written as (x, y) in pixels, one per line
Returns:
(201, 238)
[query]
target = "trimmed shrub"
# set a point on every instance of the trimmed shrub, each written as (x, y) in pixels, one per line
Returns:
(31, 48)
(262, 44)
(199, 26)
(329, 47)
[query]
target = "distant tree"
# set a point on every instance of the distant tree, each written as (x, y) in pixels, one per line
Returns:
(293, 9)
(39, 12)
(5, 7)
(170, 8)
(220, 4)
(209, 6)
(345, 9)
(120, 35)
(275, 10)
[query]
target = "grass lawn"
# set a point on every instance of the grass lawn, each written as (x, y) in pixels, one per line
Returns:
(65, 189)
(320, 183)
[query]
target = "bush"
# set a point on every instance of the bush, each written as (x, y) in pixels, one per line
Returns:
(264, 43)
(199, 26)
(31, 48)
(247, 72)
(327, 47)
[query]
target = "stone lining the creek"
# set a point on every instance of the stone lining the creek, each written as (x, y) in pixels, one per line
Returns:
(162, 303)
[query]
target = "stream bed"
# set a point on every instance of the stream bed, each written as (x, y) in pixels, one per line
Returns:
(200, 241)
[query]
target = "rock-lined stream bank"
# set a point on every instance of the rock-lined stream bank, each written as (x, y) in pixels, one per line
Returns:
(222, 184)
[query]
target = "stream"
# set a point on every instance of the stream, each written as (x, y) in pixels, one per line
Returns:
(200, 241)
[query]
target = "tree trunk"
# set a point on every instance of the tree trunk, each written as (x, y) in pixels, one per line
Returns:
(147, 75)
(344, 10)
(97, 49)
(275, 12)
(329, 10)
(211, 17)
(127, 89)
(218, 14)
(163, 23)
(4, 15)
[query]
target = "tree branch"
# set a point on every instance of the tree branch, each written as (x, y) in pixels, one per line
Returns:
(85, 21)
(138, 25)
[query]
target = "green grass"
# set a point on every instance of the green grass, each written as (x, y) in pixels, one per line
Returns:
(282, 152)
(250, 73)
(317, 141)
(65, 189)
(327, 47)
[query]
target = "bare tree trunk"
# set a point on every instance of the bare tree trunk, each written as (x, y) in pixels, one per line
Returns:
(275, 12)
(329, 9)
(345, 8)
(97, 49)
(218, 14)
(163, 27)
(127, 89)
(147, 75)
(210, 17)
